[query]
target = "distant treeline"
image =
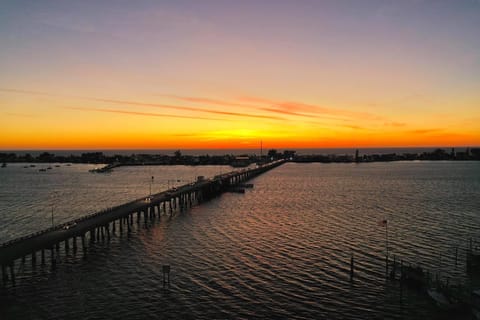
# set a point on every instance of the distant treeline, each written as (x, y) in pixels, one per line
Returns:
(133, 159)
(179, 159)
(438, 154)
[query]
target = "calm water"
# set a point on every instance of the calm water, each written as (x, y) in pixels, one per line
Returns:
(281, 250)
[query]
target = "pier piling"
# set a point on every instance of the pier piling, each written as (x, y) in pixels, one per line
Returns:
(52, 257)
(4, 274)
(12, 271)
(456, 255)
(34, 259)
(74, 243)
(351, 267)
(166, 275)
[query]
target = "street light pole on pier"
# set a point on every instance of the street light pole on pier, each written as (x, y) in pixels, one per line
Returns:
(151, 182)
(54, 196)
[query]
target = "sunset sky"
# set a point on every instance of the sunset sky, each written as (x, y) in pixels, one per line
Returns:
(227, 74)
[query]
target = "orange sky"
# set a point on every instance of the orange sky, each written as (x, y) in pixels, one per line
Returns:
(226, 75)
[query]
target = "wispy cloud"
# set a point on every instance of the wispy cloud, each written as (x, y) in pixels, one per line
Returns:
(426, 131)
(210, 101)
(267, 109)
(272, 108)
(194, 109)
(394, 124)
(353, 127)
(22, 115)
(319, 110)
(299, 108)
(29, 92)
(284, 108)
(137, 113)
(155, 105)
(292, 113)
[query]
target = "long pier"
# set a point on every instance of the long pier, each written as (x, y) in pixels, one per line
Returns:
(77, 233)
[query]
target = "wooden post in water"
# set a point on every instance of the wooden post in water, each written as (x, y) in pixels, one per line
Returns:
(52, 257)
(12, 271)
(43, 257)
(74, 243)
(401, 272)
(386, 265)
(34, 259)
(456, 255)
(394, 268)
(351, 267)
(166, 275)
(4, 274)
(84, 248)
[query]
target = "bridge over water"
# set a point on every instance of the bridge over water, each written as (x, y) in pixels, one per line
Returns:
(45, 244)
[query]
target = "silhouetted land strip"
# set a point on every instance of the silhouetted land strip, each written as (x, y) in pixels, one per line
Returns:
(437, 155)
(179, 159)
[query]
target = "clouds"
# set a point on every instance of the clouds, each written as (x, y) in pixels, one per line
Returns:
(252, 107)
(223, 120)
(290, 108)
(138, 113)
(426, 131)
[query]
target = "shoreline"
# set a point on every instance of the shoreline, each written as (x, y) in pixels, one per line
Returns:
(238, 161)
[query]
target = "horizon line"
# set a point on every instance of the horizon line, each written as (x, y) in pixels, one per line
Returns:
(248, 148)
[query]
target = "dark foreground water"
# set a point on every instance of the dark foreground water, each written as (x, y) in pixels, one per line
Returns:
(281, 250)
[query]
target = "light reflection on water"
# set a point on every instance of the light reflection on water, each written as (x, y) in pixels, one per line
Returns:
(281, 250)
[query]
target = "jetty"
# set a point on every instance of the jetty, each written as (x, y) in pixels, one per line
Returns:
(76, 234)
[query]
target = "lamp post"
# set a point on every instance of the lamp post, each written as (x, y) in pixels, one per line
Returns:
(54, 194)
(151, 182)
(52, 214)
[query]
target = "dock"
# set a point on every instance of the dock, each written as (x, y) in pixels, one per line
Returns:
(76, 234)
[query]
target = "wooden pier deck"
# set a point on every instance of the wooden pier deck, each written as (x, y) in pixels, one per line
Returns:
(99, 225)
